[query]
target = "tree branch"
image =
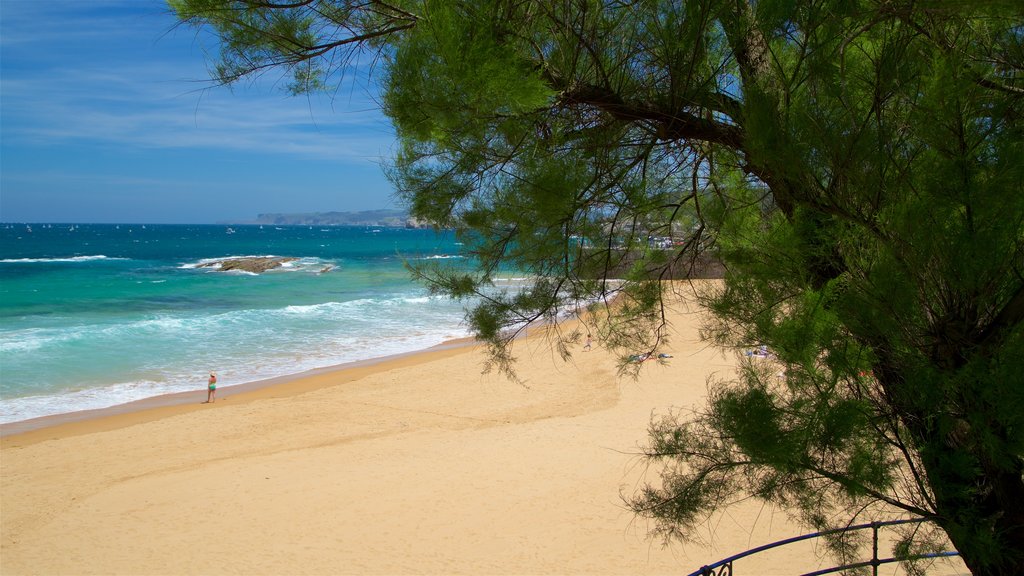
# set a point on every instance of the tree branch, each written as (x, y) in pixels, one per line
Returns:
(677, 125)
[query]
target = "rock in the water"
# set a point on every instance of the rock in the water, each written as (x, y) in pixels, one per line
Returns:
(254, 264)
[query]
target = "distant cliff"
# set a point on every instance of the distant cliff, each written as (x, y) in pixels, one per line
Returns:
(364, 218)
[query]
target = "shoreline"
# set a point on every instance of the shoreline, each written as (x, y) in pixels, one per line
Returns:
(160, 406)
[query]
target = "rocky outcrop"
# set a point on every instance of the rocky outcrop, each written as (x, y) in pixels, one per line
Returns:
(254, 264)
(415, 223)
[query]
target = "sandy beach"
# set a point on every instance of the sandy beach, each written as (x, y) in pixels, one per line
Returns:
(414, 465)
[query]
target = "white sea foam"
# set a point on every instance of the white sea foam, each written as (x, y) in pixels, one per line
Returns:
(398, 311)
(311, 308)
(35, 339)
(357, 309)
(65, 259)
(21, 341)
(175, 349)
(241, 273)
(416, 300)
(32, 339)
(162, 324)
(323, 350)
(441, 257)
(24, 408)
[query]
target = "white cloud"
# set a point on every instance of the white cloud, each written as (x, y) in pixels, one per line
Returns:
(156, 95)
(32, 22)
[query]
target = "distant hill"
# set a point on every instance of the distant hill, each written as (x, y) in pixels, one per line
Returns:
(363, 218)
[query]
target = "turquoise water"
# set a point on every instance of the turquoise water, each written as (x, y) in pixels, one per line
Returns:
(98, 315)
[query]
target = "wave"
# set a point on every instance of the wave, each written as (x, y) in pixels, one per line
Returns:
(441, 257)
(26, 340)
(291, 339)
(362, 304)
(362, 310)
(326, 352)
(34, 339)
(26, 407)
(65, 259)
(242, 272)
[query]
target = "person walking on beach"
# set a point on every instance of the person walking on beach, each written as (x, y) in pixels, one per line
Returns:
(211, 388)
(586, 347)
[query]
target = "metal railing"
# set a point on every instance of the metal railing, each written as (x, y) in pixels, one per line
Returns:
(724, 567)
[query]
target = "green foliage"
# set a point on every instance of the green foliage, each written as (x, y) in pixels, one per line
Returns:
(305, 39)
(856, 166)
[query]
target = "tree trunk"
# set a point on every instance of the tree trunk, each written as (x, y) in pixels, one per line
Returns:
(978, 488)
(987, 530)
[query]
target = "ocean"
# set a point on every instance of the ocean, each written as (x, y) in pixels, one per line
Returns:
(97, 315)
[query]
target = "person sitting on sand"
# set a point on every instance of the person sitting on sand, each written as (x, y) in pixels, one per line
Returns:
(211, 388)
(639, 358)
(759, 352)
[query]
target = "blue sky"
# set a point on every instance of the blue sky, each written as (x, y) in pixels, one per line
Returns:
(107, 115)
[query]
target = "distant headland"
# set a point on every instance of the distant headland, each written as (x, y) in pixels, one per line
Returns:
(386, 217)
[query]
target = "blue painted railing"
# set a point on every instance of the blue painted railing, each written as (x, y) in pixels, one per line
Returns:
(724, 567)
